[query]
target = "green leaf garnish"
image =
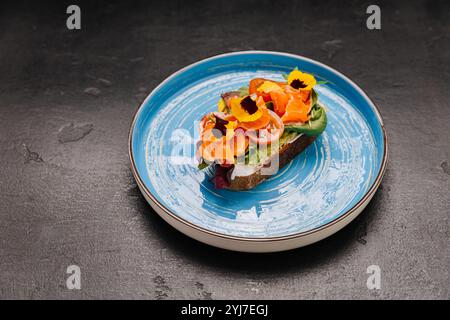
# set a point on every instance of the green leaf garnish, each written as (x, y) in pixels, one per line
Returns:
(314, 97)
(202, 165)
(243, 91)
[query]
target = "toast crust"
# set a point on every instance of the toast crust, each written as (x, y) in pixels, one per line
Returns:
(288, 152)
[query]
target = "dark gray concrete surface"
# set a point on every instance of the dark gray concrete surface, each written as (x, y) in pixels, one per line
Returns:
(67, 195)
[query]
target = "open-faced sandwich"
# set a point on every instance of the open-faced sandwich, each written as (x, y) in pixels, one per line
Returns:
(258, 129)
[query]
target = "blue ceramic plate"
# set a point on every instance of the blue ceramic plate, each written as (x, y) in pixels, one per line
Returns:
(318, 193)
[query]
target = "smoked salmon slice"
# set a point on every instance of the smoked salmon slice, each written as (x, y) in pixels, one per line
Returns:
(280, 100)
(296, 111)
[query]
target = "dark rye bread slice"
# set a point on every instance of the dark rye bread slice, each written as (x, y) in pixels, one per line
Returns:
(287, 152)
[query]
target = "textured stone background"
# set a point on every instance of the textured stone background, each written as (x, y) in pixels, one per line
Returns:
(67, 195)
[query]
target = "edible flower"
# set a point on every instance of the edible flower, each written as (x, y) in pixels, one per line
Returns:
(300, 80)
(217, 126)
(221, 106)
(248, 108)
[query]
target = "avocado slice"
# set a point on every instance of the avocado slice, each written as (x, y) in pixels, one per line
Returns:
(315, 126)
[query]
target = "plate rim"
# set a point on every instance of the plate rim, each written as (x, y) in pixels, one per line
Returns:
(358, 206)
